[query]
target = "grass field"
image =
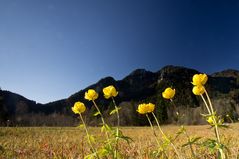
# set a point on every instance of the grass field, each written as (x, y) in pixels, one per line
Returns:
(69, 142)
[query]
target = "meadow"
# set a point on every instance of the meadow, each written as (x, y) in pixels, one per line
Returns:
(217, 140)
(70, 142)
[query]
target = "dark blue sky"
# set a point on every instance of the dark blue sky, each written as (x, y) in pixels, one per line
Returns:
(50, 49)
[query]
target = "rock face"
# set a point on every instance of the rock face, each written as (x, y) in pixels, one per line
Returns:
(227, 73)
(139, 86)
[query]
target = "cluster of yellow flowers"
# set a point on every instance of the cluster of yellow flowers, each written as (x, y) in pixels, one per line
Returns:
(149, 108)
(92, 95)
(146, 108)
(199, 80)
(79, 108)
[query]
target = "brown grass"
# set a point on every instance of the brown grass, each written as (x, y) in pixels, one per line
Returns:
(69, 142)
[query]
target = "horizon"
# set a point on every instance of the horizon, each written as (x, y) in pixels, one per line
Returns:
(117, 80)
(52, 49)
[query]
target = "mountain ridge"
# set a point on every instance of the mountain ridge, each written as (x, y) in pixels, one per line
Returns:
(139, 86)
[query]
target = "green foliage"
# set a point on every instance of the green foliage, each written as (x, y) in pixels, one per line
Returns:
(192, 141)
(97, 113)
(115, 110)
(120, 135)
(105, 128)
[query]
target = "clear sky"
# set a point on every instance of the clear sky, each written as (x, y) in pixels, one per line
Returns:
(50, 49)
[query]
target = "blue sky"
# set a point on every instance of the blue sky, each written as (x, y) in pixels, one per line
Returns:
(50, 49)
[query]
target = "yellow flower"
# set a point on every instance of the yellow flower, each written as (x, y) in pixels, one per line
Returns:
(91, 95)
(198, 90)
(168, 93)
(146, 108)
(199, 79)
(210, 120)
(78, 107)
(142, 108)
(151, 107)
(109, 92)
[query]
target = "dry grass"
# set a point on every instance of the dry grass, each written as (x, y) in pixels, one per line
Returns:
(68, 142)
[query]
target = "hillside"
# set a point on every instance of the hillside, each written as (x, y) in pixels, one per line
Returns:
(138, 86)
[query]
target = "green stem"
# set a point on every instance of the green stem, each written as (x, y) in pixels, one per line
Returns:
(215, 123)
(230, 119)
(158, 125)
(217, 134)
(117, 128)
(174, 105)
(151, 125)
(101, 116)
(209, 100)
(175, 115)
(206, 105)
(88, 137)
(117, 112)
(103, 122)
(176, 151)
(189, 140)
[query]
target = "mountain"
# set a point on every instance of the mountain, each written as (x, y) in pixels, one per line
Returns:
(227, 73)
(139, 86)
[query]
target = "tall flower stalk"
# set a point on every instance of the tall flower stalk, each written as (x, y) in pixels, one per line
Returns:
(199, 80)
(165, 137)
(145, 109)
(79, 108)
(110, 92)
(149, 108)
(214, 117)
(117, 127)
(92, 95)
(168, 93)
(152, 128)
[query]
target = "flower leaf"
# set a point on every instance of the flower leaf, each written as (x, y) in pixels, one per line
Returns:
(92, 138)
(97, 113)
(105, 127)
(115, 110)
(81, 126)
